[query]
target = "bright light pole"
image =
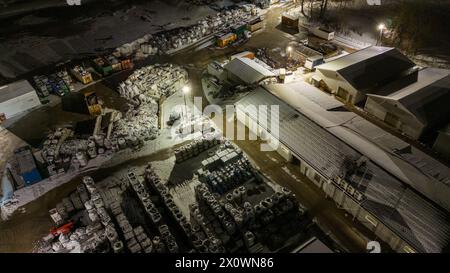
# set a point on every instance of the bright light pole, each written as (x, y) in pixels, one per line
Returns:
(186, 89)
(381, 28)
(289, 50)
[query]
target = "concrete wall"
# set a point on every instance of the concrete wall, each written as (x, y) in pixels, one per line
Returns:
(19, 104)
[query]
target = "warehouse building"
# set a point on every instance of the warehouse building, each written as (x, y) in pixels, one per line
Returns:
(374, 185)
(417, 108)
(246, 71)
(373, 70)
(16, 98)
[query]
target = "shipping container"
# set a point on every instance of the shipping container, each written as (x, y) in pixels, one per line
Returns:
(239, 30)
(312, 62)
(255, 25)
(126, 64)
(289, 20)
(81, 74)
(226, 39)
(116, 65)
(31, 177)
(27, 166)
(102, 66)
(322, 33)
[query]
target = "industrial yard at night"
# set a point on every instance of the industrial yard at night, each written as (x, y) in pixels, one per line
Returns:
(227, 127)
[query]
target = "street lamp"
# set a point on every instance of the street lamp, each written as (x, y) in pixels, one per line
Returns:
(289, 50)
(381, 28)
(186, 90)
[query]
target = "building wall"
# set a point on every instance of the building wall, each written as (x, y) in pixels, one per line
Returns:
(374, 108)
(388, 111)
(442, 144)
(19, 104)
(335, 82)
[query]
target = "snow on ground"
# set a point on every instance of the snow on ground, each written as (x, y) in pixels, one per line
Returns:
(164, 168)
(30, 193)
(286, 170)
(21, 54)
(184, 195)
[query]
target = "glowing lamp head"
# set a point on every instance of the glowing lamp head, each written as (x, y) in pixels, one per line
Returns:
(381, 27)
(289, 48)
(186, 89)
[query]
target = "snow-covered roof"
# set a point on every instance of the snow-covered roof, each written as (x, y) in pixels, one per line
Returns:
(427, 99)
(370, 68)
(14, 90)
(322, 99)
(407, 163)
(312, 138)
(248, 70)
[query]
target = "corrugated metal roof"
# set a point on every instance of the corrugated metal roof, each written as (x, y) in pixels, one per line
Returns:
(387, 197)
(370, 68)
(354, 58)
(322, 99)
(248, 70)
(424, 174)
(427, 99)
(15, 89)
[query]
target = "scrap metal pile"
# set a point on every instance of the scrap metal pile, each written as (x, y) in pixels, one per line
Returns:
(144, 89)
(167, 41)
(63, 150)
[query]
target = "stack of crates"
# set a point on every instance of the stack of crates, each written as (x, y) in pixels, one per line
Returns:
(116, 65)
(42, 91)
(82, 74)
(190, 150)
(57, 85)
(126, 63)
(102, 66)
(66, 78)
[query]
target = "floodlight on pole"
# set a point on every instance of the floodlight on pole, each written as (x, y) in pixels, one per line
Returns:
(289, 50)
(381, 28)
(186, 90)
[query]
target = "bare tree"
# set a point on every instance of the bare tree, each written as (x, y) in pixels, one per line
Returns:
(323, 7)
